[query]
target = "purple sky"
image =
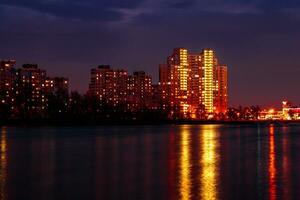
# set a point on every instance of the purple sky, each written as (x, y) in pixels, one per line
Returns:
(258, 40)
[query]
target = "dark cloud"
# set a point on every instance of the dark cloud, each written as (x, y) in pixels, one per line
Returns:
(85, 10)
(181, 4)
(277, 5)
(113, 10)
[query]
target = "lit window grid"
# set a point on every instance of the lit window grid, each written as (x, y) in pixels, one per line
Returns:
(208, 80)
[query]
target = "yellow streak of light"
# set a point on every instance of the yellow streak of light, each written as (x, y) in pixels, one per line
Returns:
(3, 163)
(272, 166)
(184, 171)
(209, 162)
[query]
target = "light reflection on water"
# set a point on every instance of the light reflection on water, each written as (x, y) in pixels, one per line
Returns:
(151, 162)
(209, 163)
(286, 164)
(185, 165)
(3, 163)
(272, 164)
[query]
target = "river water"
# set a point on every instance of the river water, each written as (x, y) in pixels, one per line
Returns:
(151, 162)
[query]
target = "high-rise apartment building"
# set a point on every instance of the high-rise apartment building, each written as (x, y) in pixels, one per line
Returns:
(208, 66)
(30, 87)
(164, 86)
(7, 82)
(194, 85)
(109, 85)
(198, 84)
(26, 91)
(116, 87)
(143, 83)
(139, 90)
(221, 101)
(155, 101)
(178, 72)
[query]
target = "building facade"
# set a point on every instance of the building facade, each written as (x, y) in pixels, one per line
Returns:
(178, 71)
(139, 91)
(194, 85)
(116, 87)
(109, 85)
(31, 82)
(7, 82)
(221, 99)
(164, 85)
(25, 90)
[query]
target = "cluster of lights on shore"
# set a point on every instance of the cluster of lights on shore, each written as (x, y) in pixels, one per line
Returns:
(288, 112)
(191, 86)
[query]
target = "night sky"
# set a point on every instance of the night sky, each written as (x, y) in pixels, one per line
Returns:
(258, 40)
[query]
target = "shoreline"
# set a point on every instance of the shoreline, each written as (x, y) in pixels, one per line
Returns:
(41, 123)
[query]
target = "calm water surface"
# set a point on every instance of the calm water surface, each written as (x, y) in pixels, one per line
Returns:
(151, 162)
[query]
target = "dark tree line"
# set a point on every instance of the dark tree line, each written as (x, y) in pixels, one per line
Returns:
(244, 113)
(59, 106)
(76, 108)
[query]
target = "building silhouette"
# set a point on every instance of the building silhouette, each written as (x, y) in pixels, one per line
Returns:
(31, 83)
(109, 85)
(25, 91)
(7, 82)
(193, 85)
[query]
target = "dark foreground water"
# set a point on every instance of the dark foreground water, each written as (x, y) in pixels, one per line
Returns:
(151, 162)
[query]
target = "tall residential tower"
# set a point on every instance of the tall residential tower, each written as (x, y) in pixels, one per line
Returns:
(208, 65)
(178, 71)
(197, 84)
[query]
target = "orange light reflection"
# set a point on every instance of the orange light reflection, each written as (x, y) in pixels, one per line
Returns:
(272, 166)
(184, 170)
(3, 163)
(209, 162)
